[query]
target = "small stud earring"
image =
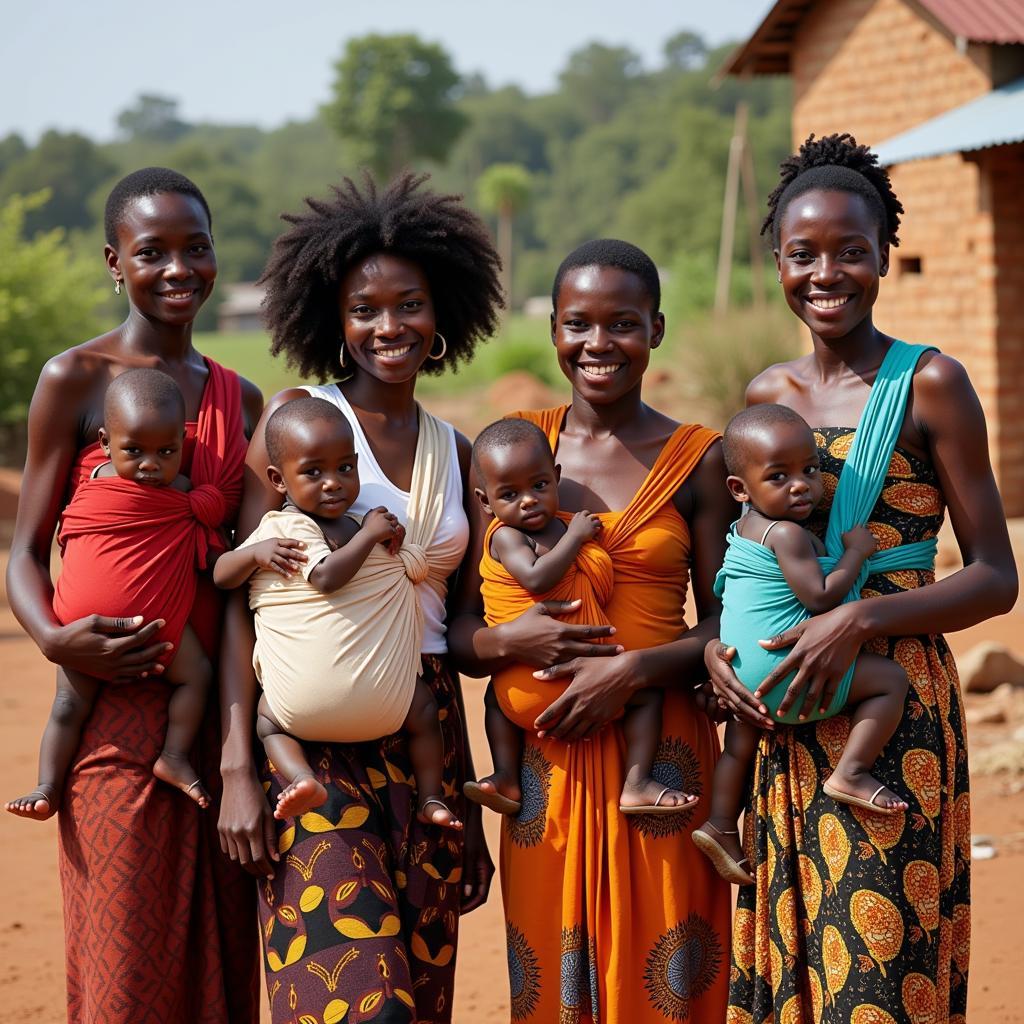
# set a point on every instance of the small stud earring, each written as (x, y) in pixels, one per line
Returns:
(779, 278)
(444, 348)
(117, 287)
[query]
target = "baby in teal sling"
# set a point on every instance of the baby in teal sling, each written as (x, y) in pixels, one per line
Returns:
(777, 573)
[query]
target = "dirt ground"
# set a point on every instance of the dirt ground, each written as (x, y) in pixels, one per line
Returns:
(31, 938)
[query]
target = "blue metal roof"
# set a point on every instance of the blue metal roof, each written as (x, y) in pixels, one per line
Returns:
(995, 119)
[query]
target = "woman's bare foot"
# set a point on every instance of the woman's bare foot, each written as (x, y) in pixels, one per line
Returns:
(176, 771)
(719, 840)
(499, 791)
(40, 804)
(434, 811)
(648, 796)
(302, 795)
(861, 789)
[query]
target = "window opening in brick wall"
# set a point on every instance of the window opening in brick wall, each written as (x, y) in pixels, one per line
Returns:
(910, 265)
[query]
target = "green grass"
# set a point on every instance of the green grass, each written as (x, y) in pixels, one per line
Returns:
(521, 344)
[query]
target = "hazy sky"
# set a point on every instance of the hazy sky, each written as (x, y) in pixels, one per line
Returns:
(74, 65)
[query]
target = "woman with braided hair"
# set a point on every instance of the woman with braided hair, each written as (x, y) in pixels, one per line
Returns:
(864, 912)
(361, 903)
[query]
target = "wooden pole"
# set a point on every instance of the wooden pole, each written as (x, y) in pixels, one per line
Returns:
(753, 227)
(730, 202)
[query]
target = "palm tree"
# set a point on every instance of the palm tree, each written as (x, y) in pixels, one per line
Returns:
(505, 190)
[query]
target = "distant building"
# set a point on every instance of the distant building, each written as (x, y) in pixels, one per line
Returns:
(937, 87)
(240, 310)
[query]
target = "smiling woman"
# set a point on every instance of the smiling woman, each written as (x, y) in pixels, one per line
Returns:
(371, 288)
(181, 923)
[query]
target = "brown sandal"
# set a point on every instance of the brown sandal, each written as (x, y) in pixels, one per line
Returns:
(726, 865)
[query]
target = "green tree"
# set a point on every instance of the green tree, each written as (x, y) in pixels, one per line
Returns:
(599, 79)
(394, 102)
(152, 119)
(48, 302)
(12, 148)
(504, 190)
(685, 51)
(71, 167)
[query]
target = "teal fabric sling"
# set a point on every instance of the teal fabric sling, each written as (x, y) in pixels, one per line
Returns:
(756, 600)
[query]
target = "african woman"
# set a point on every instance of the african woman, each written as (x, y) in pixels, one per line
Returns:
(611, 917)
(370, 289)
(158, 924)
(857, 915)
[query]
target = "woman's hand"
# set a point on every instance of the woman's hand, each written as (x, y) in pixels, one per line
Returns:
(732, 694)
(477, 867)
(597, 692)
(246, 824)
(824, 647)
(538, 638)
(115, 649)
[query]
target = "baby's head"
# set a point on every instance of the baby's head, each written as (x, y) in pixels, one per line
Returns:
(772, 462)
(513, 462)
(313, 457)
(144, 426)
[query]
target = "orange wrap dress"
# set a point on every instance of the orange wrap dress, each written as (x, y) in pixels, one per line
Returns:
(608, 917)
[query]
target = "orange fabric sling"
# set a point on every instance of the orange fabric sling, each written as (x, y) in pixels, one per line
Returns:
(612, 918)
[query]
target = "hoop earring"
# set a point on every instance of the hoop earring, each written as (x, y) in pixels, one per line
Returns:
(444, 348)
(117, 287)
(341, 356)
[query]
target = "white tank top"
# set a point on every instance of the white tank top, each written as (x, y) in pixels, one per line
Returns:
(452, 535)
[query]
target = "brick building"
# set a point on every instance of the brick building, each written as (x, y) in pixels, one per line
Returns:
(937, 87)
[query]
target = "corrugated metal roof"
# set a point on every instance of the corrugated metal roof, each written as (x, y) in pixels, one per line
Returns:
(981, 21)
(767, 51)
(995, 119)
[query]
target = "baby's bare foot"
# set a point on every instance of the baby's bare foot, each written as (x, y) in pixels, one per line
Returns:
(862, 789)
(647, 795)
(499, 791)
(40, 804)
(434, 811)
(176, 771)
(302, 795)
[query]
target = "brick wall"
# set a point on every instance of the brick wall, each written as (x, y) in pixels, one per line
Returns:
(876, 68)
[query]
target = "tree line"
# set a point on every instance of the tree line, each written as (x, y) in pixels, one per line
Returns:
(616, 149)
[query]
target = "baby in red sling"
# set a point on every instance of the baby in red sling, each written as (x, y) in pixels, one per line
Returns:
(132, 538)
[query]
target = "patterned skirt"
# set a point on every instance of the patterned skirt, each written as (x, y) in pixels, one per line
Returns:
(360, 922)
(860, 917)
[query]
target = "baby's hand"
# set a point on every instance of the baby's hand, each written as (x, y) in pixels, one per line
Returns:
(584, 526)
(860, 539)
(396, 541)
(279, 554)
(381, 525)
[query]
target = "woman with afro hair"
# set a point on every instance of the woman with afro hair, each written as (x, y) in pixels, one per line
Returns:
(865, 911)
(361, 898)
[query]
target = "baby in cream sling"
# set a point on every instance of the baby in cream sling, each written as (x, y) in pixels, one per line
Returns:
(339, 627)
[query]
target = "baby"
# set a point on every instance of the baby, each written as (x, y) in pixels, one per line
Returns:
(775, 574)
(536, 552)
(338, 625)
(131, 538)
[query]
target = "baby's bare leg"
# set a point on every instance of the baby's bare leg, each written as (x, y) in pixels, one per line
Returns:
(72, 705)
(719, 836)
(877, 694)
(426, 752)
(500, 790)
(641, 727)
(190, 673)
(304, 791)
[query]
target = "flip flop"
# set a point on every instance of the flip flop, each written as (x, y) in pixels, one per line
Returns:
(857, 801)
(495, 801)
(440, 803)
(729, 868)
(657, 807)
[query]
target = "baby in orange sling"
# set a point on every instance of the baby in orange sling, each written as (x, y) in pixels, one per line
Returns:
(531, 554)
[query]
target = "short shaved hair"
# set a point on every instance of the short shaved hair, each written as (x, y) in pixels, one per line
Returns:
(747, 424)
(506, 433)
(145, 390)
(281, 425)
